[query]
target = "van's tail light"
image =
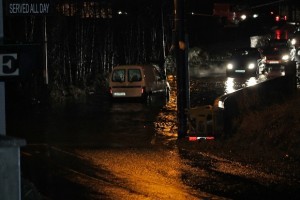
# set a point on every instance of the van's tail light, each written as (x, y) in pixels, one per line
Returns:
(143, 90)
(110, 90)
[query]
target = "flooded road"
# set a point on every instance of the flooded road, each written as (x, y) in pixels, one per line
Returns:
(118, 151)
(121, 150)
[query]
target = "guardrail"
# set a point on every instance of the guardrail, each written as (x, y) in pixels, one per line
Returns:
(220, 119)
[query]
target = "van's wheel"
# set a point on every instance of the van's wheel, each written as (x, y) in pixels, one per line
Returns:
(149, 98)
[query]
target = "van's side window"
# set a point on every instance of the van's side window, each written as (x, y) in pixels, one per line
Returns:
(118, 75)
(134, 75)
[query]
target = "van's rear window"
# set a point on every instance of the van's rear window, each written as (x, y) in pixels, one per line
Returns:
(118, 75)
(134, 75)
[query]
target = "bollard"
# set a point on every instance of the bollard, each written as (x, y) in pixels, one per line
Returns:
(10, 178)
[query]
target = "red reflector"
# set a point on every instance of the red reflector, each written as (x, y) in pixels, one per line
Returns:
(195, 138)
(210, 138)
(192, 138)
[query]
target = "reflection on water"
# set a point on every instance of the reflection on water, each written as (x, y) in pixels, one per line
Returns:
(166, 120)
(229, 85)
(233, 84)
(127, 107)
(251, 81)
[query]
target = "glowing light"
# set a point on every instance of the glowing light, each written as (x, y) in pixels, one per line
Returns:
(230, 66)
(285, 57)
(251, 66)
(122, 13)
(243, 17)
(229, 85)
(221, 104)
(277, 34)
(251, 81)
(255, 15)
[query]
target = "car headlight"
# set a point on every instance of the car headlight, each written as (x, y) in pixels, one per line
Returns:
(230, 66)
(251, 66)
(285, 57)
(220, 104)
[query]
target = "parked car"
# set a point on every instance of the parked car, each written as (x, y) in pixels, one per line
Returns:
(244, 62)
(138, 81)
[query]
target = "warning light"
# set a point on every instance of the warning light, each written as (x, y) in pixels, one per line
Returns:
(277, 18)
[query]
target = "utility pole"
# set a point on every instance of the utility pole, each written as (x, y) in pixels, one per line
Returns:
(181, 49)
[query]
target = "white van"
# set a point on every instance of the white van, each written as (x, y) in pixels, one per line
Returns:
(137, 81)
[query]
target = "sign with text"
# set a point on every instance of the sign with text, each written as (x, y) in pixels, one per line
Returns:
(19, 60)
(8, 64)
(28, 8)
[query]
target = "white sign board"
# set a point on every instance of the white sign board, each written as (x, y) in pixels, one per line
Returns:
(7, 66)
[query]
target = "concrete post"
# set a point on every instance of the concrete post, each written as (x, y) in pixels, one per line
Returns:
(10, 178)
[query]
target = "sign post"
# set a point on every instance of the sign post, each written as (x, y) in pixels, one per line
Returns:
(2, 85)
(2, 109)
(10, 175)
(181, 48)
(7, 68)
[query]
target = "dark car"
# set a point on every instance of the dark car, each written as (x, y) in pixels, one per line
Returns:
(244, 62)
(276, 54)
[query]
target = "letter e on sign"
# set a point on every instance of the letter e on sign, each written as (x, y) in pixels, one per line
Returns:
(8, 64)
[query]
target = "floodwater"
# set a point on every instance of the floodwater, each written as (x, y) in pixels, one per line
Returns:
(122, 150)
